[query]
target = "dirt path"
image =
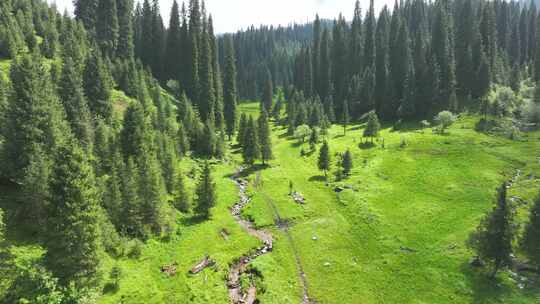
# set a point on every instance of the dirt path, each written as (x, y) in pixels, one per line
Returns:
(284, 226)
(239, 268)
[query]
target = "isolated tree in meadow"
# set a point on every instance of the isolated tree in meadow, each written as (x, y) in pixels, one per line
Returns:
(324, 159)
(302, 132)
(493, 238)
(265, 140)
(180, 196)
(530, 242)
(373, 126)
(72, 239)
(445, 119)
(229, 87)
(345, 118)
(206, 193)
(347, 163)
(251, 149)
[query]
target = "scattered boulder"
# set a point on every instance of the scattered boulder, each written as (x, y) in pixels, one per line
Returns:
(327, 264)
(298, 198)
(170, 270)
(314, 238)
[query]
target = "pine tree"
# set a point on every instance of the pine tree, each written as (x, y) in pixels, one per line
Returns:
(324, 159)
(325, 74)
(369, 46)
(133, 131)
(72, 96)
(345, 118)
(265, 141)
(250, 146)
(206, 193)
(97, 87)
(229, 88)
(151, 193)
(192, 86)
(107, 28)
(126, 46)
(132, 223)
(85, 11)
(242, 127)
(72, 228)
(530, 242)
(381, 60)
(347, 163)
(268, 95)
(33, 117)
(206, 93)
(373, 126)
(181, 198)
(173, 47)
(493, 238)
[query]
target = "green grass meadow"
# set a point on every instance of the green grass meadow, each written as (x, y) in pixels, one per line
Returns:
(396, 234)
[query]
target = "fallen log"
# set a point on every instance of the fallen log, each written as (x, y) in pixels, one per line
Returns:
(206, 262)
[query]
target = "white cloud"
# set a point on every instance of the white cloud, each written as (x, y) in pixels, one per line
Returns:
(231, 15)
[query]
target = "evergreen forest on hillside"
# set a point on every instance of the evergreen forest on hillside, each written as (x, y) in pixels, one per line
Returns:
(392, 156)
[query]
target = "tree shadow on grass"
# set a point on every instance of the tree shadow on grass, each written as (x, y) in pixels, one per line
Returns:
(484, 288)
(366, 145)
(192, 220)
(317, 178)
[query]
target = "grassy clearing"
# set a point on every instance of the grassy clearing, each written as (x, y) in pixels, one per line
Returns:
(395, 235)
(398, 236)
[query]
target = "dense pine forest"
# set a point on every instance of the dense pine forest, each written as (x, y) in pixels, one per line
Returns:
(120, 136)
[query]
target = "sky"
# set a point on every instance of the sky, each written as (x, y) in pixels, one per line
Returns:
(233, 15)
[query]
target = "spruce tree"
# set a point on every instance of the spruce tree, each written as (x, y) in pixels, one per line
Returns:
(151, 193)
(206, 95)
(107, 28)
(347, 163)
(250, 147)
(369, 45)
(97, 87)
(206, 193)
(242, 127)
(132, 223)
(268, 93)
(33, 117)
(373, 126)
(530, 243)
(126, 46)
(173, 47)
(345, 118)
(493, 238)
(324, 158)
(265, 140)
(72, 240)
(229, 87)
(86, 12)
(181, 199)
(72, 96)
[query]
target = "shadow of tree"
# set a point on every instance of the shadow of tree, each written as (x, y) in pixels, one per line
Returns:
(485, 290)
(366, 145)
(317, 178)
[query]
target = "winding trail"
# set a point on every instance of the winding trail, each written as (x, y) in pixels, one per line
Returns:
(236, 294)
